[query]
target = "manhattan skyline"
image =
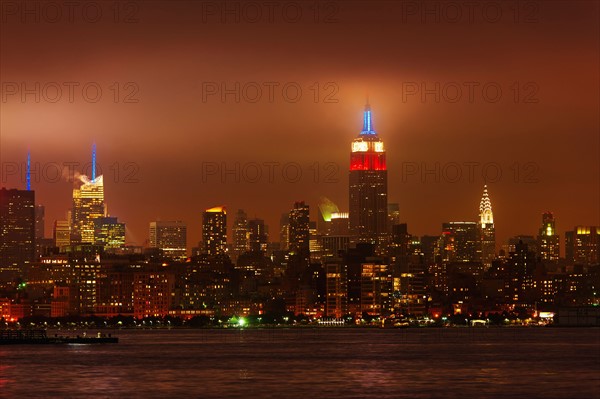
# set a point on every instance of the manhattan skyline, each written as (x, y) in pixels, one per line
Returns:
(547, 158)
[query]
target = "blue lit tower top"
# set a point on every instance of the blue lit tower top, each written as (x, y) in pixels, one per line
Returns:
(93, 161)
(28, 175)
(367, 121)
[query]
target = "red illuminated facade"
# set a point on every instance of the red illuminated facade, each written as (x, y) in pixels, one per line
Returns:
(368, 186)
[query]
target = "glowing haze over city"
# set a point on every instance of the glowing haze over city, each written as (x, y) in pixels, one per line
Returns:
(291, 199)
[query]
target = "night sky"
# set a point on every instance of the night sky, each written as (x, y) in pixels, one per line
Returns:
(165, 129)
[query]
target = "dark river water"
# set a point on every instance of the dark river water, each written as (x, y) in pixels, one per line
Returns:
(313, 363)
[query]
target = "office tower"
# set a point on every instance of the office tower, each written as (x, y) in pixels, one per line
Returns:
(339, 224)
(152, 294)
(393, 216)
(336, 302)
(284, 232)
(170, 237)
(548, 240)
(526, 239)
(376, 289)
(88, 204)
(257, 235)
(240, 233)
(333, 244)
(368, 186)
(487, 229)
(108, 232)
(214, 231)
(315, 243)
(410, 293)
(62, 233)
(42, 244)
(582, 245)
(299, 223)
(429, 248)
(40, 220)
(521, 264)
(400, 244)
(460, 242)
(17, 227)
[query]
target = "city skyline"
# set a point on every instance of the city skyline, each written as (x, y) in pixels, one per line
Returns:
(162, 141)
(96, 183)
(88, 183)
(328, 198)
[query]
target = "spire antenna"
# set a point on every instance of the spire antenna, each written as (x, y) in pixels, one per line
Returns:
(28, 175)
(367, 120)
(93, 161)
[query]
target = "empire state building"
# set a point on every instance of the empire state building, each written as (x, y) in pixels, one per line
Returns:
(368, 186)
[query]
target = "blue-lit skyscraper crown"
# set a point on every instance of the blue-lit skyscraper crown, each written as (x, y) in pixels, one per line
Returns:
(367, 121)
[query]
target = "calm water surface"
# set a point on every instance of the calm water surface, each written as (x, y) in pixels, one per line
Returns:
(313, 363)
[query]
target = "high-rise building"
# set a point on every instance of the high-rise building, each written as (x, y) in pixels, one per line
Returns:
(339, 224)
(299, 221)
(460, 242)
(40, 212)
(376, 289)
(240, 233)
(410, 287)
(62, 233)
(368, 186)
(170, 237)
(214, 231)
(88, 204)
(336, 303)
(400, 244)
(284, 231)
(487, 229)
(521, 264)
(17, 227)
(526, 239)
(582, 245)
(548, 240)
(108, 232)
(393, 216)
(42, 244)
(258, 235)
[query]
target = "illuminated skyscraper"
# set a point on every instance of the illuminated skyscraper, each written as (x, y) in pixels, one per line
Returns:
(336, 304)
(548, 241)
(368, 186)
(460, 241)
(17, 227)
(240, 232)
(170, 237)
(258, 235)
(62, 233)
(88, 204)
(108, 232)
(487, 229)
(214, 231)
(376, 289)
(582, 245)
(299, 229)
